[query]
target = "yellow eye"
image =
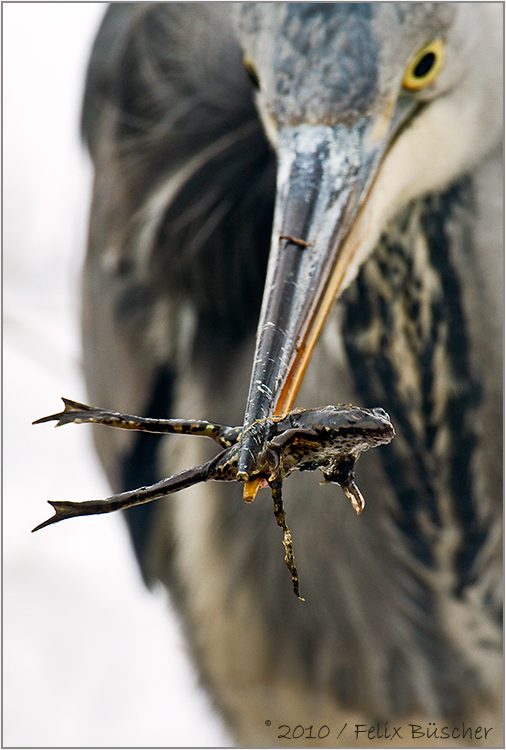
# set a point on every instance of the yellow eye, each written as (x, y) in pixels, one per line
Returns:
(425, 66)
(250, 70)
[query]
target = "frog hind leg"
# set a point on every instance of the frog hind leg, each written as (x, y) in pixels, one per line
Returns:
(79, 413)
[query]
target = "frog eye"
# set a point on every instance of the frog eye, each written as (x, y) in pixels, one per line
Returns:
(251, 71)
(425, 66)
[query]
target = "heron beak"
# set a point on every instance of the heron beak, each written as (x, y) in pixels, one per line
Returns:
(318, 243)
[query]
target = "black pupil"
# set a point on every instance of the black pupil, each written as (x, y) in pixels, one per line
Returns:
(425, 64)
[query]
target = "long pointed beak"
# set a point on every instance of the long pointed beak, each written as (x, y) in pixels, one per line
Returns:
(324, 175)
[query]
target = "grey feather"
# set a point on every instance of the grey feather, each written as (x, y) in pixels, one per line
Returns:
(402, 613)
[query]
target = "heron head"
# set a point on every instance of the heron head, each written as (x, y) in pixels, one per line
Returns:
(368, 106)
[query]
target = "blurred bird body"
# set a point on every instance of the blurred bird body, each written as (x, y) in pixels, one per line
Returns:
(402, 614)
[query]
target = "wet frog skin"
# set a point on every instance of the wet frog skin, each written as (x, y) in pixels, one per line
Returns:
(330, 438)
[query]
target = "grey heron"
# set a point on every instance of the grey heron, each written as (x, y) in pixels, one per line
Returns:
(365, 140)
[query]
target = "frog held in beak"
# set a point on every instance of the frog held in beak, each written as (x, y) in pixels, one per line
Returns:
(321, 235)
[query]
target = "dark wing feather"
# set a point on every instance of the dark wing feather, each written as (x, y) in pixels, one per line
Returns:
(176, 258)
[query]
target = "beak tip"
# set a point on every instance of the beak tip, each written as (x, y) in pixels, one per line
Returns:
(251, 487)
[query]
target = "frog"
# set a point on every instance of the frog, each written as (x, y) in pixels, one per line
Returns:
(329, 438)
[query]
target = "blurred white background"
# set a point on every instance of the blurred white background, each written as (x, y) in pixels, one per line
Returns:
(91, 658)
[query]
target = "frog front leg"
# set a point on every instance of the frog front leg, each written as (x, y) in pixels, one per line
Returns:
(343, 473)
(279, 513)
(282, 455)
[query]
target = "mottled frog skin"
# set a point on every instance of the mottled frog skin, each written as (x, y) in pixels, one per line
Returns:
(309, 439)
